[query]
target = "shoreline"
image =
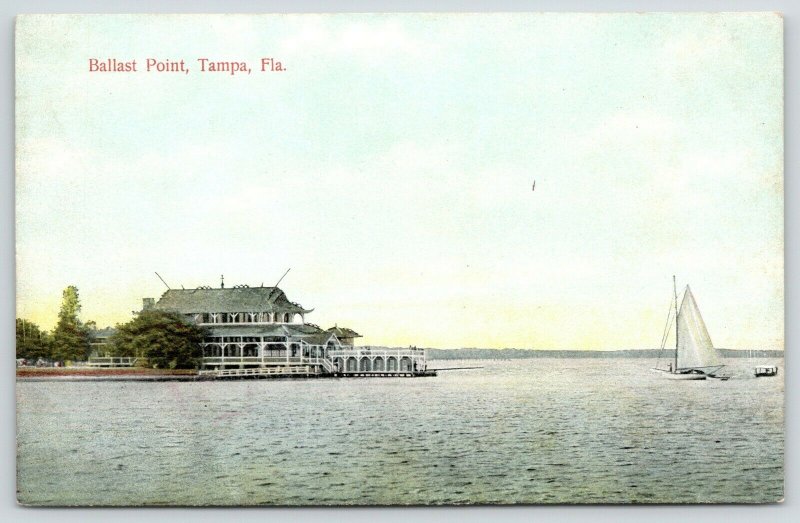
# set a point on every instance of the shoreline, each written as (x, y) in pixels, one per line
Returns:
(136, 377)
(83, 374)
(104, 374)
(102, 371)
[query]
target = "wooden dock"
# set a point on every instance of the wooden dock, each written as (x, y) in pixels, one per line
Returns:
(380, 374)
(303, 361)
(287, 371)
(304, 371)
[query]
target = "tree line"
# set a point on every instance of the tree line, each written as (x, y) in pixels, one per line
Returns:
(161, 338)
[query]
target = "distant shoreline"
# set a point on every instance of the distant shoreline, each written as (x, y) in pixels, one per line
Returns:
(514, 354)
(146, 374)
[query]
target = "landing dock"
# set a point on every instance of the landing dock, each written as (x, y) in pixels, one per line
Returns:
(301, 360)
(302, 372)
(313, 361)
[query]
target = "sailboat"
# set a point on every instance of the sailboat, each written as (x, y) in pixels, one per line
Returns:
(695, 356)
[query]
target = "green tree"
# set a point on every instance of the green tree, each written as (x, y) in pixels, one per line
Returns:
(164, 338)
(70, 337)
(32, 342)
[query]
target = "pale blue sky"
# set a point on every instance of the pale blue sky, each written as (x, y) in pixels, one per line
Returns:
(391, 167)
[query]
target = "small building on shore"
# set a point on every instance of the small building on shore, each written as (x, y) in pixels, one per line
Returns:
(99, 341)
(345, 335)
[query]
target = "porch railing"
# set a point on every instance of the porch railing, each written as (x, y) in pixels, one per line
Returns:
(267, 360)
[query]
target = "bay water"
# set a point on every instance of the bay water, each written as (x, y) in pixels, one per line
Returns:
(542, 430)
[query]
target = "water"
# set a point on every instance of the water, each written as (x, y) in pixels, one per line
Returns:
(519, 431)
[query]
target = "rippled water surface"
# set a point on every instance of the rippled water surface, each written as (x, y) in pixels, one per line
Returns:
(520, 431)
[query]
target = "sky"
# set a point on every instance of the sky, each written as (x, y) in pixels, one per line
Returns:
(391, 166)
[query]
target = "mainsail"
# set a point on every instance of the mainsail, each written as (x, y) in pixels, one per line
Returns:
(694, 344)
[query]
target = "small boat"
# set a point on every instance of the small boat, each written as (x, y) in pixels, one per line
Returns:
(695, 356)
(762, 371)
(671, 375)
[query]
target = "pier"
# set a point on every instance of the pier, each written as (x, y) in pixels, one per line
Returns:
(311, 361)
(316, 361)
(296, 371)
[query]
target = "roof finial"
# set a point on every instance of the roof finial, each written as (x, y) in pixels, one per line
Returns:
(222, 281)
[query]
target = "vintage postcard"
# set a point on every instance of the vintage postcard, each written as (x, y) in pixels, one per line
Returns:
(399, 259)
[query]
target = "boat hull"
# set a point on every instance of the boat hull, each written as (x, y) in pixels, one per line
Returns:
(680, 376)
(765, 371)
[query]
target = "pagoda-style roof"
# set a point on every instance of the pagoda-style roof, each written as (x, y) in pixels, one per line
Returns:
(344, 332)
(321, 338)
(237, 299)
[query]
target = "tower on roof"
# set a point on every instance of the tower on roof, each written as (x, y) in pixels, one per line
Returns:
(222, 281)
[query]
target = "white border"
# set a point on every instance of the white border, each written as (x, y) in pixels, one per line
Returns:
(9, 511)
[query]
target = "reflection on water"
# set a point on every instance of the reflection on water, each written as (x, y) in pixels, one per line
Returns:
(521, 431)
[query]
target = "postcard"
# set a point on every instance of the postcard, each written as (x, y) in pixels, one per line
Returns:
(399, 259)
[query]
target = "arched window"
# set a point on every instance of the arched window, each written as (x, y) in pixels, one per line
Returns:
(286, 317)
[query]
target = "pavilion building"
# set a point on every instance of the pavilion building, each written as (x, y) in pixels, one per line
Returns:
(258, 327)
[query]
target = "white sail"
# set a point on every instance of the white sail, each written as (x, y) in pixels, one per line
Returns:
(694, 344)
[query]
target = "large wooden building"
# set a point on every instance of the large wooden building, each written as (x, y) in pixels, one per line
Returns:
(259, 332)
(260, 328)
(246, 322)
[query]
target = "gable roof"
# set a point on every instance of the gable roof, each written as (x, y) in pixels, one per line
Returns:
(321, 338)
(344, 332)
(239, 299)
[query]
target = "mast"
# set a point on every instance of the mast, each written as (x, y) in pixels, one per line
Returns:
(276, 285)
(675, 291)
(162, 281)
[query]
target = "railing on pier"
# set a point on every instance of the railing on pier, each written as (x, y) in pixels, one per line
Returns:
(327, 365)
(99, 361)
(334, 360)
(303, 370)
(367, 360)
(372, 352)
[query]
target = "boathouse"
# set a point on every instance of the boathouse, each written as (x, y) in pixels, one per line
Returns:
(259, 330)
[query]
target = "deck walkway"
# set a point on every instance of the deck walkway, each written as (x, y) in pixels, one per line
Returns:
(304, 371)
(296, 371)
